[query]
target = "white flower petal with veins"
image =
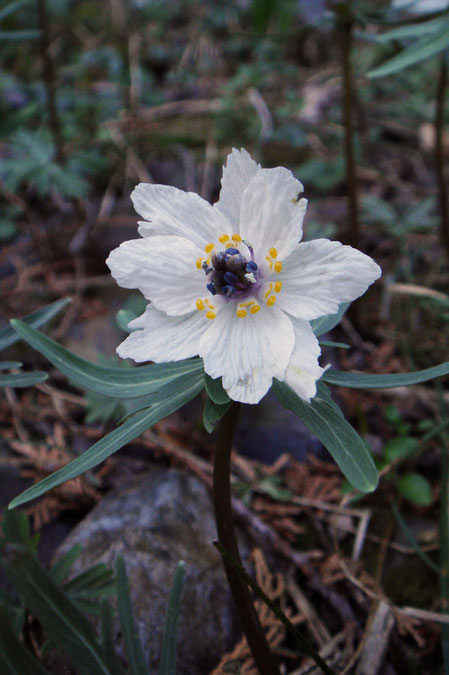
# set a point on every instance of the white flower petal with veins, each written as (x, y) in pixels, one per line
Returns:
(163, 338)
(247, 352)
(320, 274)
(303, 370)
(232, 284)
(163, 269)
(172, 211)
(239, 170)
(272, 212)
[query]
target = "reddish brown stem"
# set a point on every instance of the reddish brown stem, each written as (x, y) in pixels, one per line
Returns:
(251, 627)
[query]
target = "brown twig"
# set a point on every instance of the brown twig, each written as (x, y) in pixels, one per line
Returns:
(49, 75)
(345, 30)
(439, 155)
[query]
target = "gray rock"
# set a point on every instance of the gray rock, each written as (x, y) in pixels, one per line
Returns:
(163, 517)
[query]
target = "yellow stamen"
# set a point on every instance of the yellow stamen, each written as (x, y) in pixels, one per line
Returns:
(200, 305)
(277, 266)
(247, 304)
(236, 238)
(269, 290)
(255, 309)
(199, 262)
(211, 315)
(241, 313)
(277, 286)
(271, 300)
(270, 262)
(209, 247)
(273, 253)
(223, 238)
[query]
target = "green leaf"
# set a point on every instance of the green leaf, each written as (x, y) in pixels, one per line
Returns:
(123, 317)
(57, 614)
(133, 646)
(7, 365)
(215, 390)
(369, 381)
(15, 658)
(8, 336)
(13, 7)
(324, 420)
(17, 380)
(415, 488)
(63, 565)
(411, 30)
(19, 35)
(131, 429)
(96, 578)
(412, 541)
(212, 414)
(113, 382)
(330, 343)
(400, 448)
(107, 639)
(325, 323)
(167, 664)
(428, 46)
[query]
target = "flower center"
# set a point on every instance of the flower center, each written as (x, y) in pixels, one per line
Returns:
(236, 276)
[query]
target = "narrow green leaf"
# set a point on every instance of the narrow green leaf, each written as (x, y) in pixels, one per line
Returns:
(7, 365)
(324, 420)
(368, 381)
(167, 664)
(13, 7)
(19, 35)
(57, 614)
(17, 380)
(63, 565)
(107, 639)
(8, 336)
(215, 390)
(15, 659)
(412, 30)
(428, 46)
(95, 577)
(412, 541)
(330, 343)
(133, 646)
(113, 382)
(212, 414)
(128, 431)
(325, 323)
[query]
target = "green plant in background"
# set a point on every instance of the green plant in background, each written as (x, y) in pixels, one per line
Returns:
(60, 605)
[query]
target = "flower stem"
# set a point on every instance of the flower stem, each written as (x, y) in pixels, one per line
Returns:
(439, 154)
(251, 627)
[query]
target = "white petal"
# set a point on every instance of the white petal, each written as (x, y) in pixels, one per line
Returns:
(247, 352)
(163, 269)
(240, 168)
(321, 274)
(163, 338)
(272, 213)
(173, 211)
(303, 370)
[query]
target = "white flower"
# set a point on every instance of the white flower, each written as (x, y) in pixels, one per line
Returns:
(231, 283)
